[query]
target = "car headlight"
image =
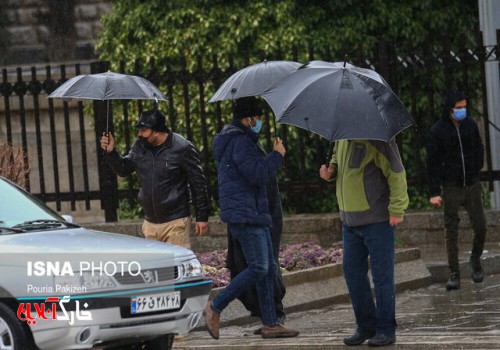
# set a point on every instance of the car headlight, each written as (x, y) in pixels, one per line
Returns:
(192, 268)
(83, 282)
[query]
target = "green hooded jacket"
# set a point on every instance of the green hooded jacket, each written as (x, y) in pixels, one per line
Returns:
(370, 181)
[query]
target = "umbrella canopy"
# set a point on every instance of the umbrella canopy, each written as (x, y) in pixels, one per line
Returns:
(254, 80)
(107, 86)
(339, 102)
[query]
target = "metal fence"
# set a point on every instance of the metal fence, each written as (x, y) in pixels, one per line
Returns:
(60, 140)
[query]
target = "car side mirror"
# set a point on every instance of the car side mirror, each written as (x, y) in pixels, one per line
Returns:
(68, 218)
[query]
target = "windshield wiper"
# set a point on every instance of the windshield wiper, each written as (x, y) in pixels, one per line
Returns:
(43, 224)
(10, 229)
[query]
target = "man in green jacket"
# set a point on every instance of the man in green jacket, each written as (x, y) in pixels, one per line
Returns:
(372, 197)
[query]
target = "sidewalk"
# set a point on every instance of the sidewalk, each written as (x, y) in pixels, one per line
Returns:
(428, 317)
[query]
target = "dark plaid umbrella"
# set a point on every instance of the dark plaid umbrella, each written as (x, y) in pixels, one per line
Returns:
(107, 86)
(338, 101)
(254, 79)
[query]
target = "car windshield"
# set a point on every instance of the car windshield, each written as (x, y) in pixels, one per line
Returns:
(18, 207)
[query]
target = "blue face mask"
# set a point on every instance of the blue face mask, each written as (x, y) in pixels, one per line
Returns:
(459, 114)
(257, 127)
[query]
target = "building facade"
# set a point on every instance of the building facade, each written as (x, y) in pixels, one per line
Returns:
(43, 31)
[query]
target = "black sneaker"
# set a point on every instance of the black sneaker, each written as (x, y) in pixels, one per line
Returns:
(477, 270)
(358, 338)
(381, 340)
(454, 281)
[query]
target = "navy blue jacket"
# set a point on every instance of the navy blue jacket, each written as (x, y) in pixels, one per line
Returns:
(242, 174)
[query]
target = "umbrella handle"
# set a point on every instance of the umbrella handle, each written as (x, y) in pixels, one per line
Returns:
(107, 126)
(329, 154)
(107, 118)
(275, 126)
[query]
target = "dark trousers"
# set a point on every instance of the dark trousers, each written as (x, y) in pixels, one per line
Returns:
(470, 198)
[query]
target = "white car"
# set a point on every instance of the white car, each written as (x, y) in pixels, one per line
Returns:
(67, 287)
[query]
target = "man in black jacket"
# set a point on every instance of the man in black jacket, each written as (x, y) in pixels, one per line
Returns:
(170, 174)
(454, 160)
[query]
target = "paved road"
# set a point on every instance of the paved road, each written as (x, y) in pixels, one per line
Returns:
(428, 318)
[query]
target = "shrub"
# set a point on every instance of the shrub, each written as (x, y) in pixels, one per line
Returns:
(300, 256)
(292, 257)
(13, 165)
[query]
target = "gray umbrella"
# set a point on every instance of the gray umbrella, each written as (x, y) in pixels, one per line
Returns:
(338, 101)
(107, 86)
(254, 79)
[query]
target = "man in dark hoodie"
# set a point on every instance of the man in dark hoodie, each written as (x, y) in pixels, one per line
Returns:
(243, 173)
(454, 160)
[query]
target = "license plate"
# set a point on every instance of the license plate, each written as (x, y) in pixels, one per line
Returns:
(155, 302)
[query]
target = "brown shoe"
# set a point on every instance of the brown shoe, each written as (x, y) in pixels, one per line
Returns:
(212, 319)
(278, 331)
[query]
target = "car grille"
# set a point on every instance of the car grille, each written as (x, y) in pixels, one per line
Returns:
(149, 276)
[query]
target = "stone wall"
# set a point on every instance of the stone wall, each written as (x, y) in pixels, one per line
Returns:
(30, 35)
(419, 227)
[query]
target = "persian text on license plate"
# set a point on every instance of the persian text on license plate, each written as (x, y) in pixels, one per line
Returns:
(155, 302)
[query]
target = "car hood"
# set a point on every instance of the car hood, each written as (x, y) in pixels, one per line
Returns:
(78, 241)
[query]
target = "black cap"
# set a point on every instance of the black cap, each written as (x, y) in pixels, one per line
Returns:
(153, 119)
(246, 107)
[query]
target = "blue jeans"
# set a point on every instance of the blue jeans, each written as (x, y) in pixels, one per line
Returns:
(376, 242)
(257, 248)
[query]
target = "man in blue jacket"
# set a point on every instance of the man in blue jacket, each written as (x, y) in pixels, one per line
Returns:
(243, 174)
(454, 160)
(235, 260)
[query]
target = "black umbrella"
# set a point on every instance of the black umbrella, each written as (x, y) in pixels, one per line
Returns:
(107, 86)
(338, 101)
(254, 80)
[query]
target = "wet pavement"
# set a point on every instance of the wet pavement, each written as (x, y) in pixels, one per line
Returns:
(428, 318)
(436, 253)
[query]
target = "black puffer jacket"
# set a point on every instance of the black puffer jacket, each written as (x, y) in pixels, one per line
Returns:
(454, 154)
(168, 179)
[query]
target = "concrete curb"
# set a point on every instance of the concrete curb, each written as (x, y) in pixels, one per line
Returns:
(321, 286)
(440, 272)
